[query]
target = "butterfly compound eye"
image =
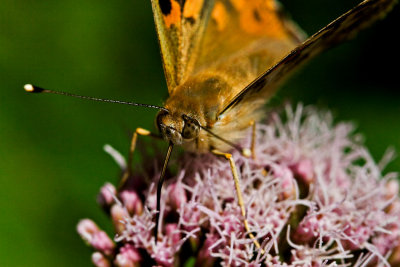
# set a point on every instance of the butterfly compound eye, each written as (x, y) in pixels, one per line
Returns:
(191, 128)
(159, 119)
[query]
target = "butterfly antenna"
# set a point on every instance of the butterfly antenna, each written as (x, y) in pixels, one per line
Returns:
(36, 89)
(159, 187)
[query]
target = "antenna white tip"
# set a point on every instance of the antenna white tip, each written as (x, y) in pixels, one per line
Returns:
(29, 88)
(33, 89)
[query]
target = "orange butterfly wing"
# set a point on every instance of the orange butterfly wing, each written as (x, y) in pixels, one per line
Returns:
(180, 25)
(235, 25)
(198, 34)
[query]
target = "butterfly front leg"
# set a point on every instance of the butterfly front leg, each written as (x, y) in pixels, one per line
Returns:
(128, 170)
(253, 138)
(235, 175)
(250, 152)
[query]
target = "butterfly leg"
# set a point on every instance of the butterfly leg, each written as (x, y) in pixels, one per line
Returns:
(250, 152)
(253, 139)
(235, 175)
(128, 171)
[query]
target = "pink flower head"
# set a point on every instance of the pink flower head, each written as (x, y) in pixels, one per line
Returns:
(313, 196)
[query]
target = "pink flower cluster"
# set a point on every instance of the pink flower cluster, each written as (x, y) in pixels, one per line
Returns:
(314, 197)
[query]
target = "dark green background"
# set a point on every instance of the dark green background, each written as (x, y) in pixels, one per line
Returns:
(51, 158)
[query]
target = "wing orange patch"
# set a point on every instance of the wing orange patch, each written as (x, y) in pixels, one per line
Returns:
(173, 17)
(259, 17)
(220, 16)
(192, 8)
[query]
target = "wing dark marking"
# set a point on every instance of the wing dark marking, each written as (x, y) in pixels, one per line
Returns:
(165, 6)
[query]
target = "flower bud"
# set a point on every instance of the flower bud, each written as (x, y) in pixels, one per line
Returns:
(132, 202)
(304, 170)
(286, 177)
(86, 228)
(102, 242)
(128, 256)
(96, 238)
(394, 259)
(99, 260)
(118, 214)
(106, 196)
(176, 195)
(308, 230)
(172, 233)
(204, 257)
(392, 188)
(357, 235)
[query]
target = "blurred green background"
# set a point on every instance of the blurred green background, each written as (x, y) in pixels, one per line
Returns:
(51, 158)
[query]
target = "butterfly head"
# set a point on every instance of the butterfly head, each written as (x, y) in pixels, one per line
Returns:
(177, 128)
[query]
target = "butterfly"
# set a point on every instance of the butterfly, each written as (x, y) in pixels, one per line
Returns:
(223, 60)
